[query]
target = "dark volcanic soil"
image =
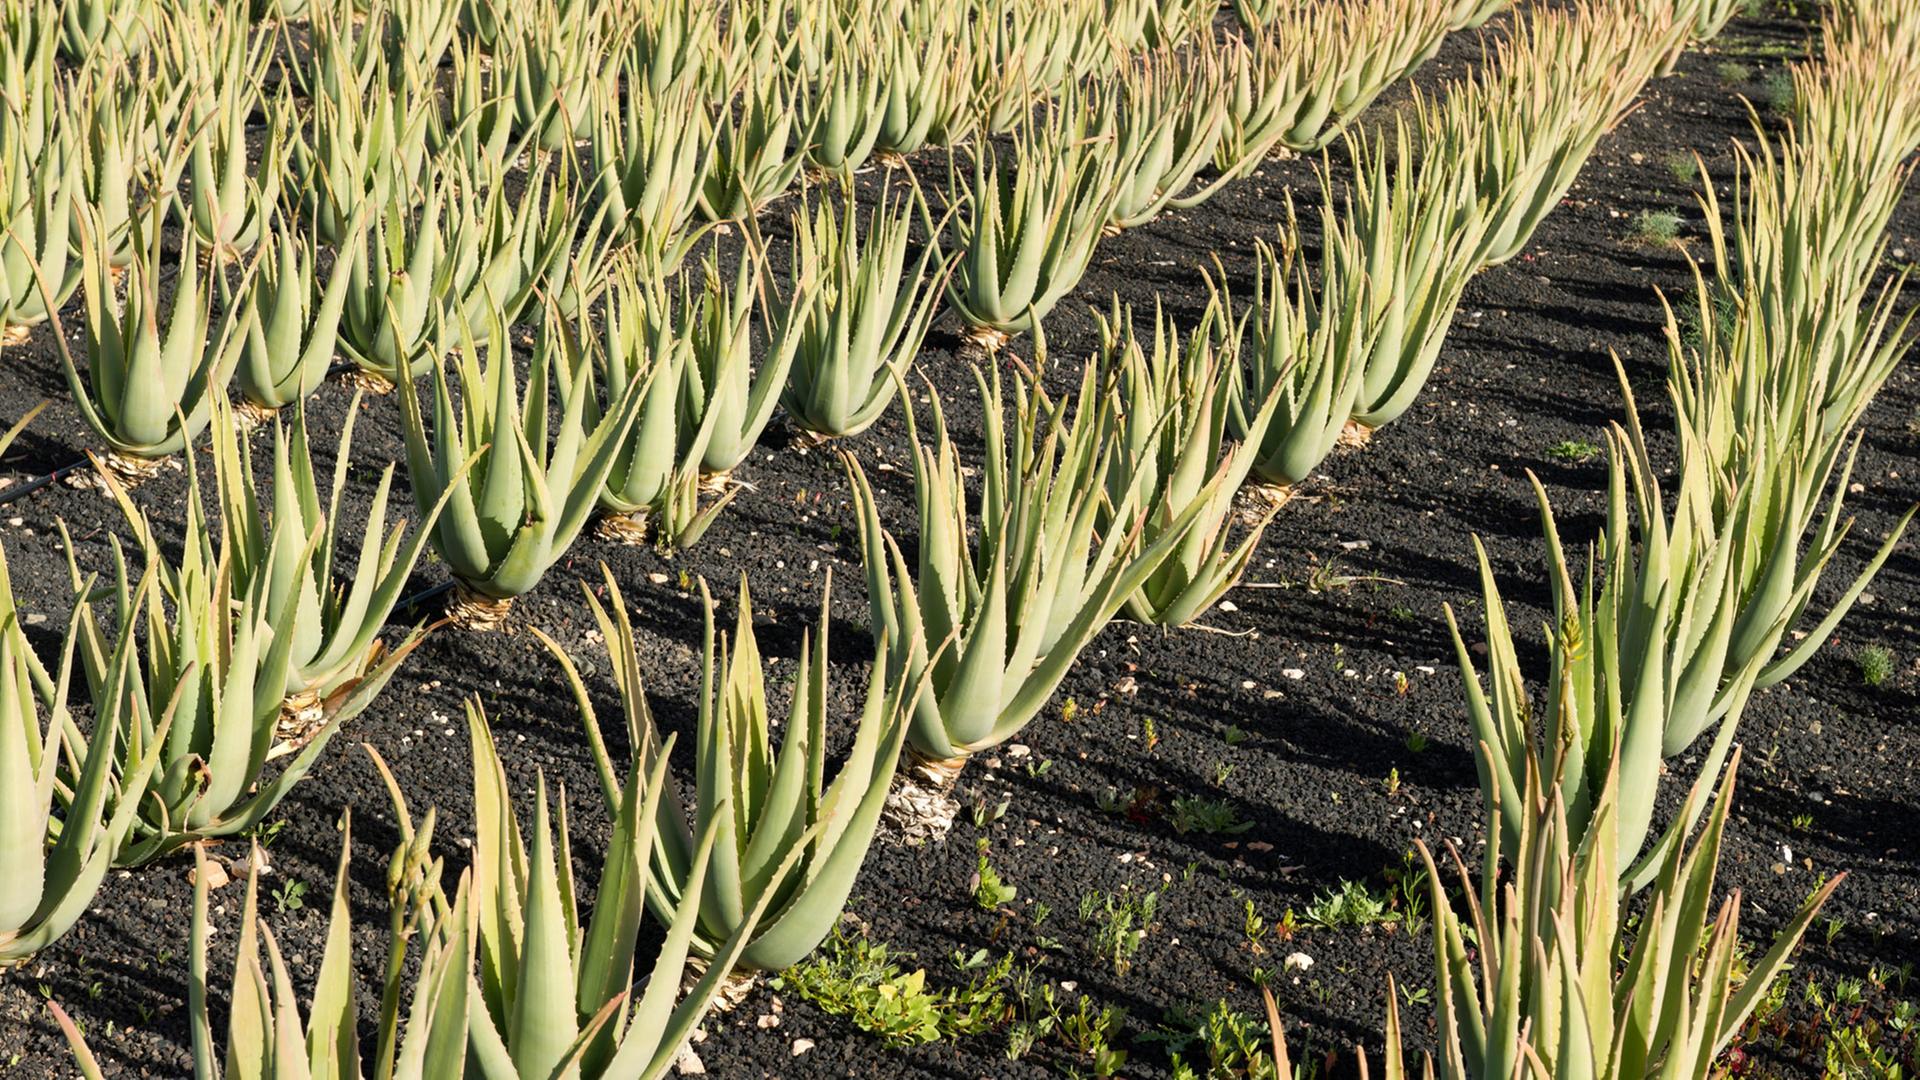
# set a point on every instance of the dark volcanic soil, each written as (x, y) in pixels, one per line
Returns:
(1333, 662)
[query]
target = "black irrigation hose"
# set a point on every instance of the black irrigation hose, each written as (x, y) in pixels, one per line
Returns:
(421, 597)
(19, 491)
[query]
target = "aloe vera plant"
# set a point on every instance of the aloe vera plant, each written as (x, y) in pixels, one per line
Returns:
(39, 186)
(551, 993)
(1691, 612)
(796, 839)
(64, 813)
(219, 666)
(702, 406)
(1304, 76)
(1025, 229)
(147, 393)
(652, 160)
(474, 127)
(844, 109)
(856, 333)
(1411, 233)
(519, 482)
(293, 318)
(549, 69)
(131, 148)
(1297, 346)
(1530, 119)
(1567, 984)
(924, 79)
(1019, 587)
(470, 254)
(672, 46)
(265, 1032)
(337, 662)
(1165, 119)
(362, 142)
(90, 28)
(1173, 418)
(758, 149)
(227, 203)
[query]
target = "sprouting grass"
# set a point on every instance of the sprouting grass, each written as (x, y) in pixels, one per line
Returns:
(1875, 663)
(1352, 905)
(864, 982)
(1120, 921)
(1736, 74)
(1779, 93)
(1659, 228)
(1199, 814)
(1573, 450)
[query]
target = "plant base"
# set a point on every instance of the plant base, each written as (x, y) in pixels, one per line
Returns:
(983, 341)
(799, 438)
(890, 159)
(302, 716)
(128, 470)
(251, 415)
(1255, 502)
(920, 806)
(1112, 229)
(1354, 435)
(734, 988)
(371, 382)
(470, 609)
(15, 335)
(629, 529)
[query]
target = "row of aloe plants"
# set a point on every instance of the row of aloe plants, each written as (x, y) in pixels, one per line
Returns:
(981, 682)
(639, 417)
(1681, 616)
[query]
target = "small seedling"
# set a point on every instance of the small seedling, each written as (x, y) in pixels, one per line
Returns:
(1416, 742)
(989, 891)
(1779, 93)
(1578, 451)
(1234, 736)
(1875, 663)
(1735, 74)
(864, 982)
(1656, 228)
(1255, 929)
(290, 896)
(1683, 167)
(1351, 905)
(1121, 921)
(1149, 734)
(1038, 768)
(1802, 822)
(1198, 814)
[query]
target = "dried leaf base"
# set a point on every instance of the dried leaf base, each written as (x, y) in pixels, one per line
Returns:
(629, 529)
(920, 806)
(128, 470)
(982, 342)
(251, 415)
(15, 335)
(1255, 501)
(371, 382)
(470, 609)
(1354, 435)
(890, 159)
(734, 988)
(302, 716)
